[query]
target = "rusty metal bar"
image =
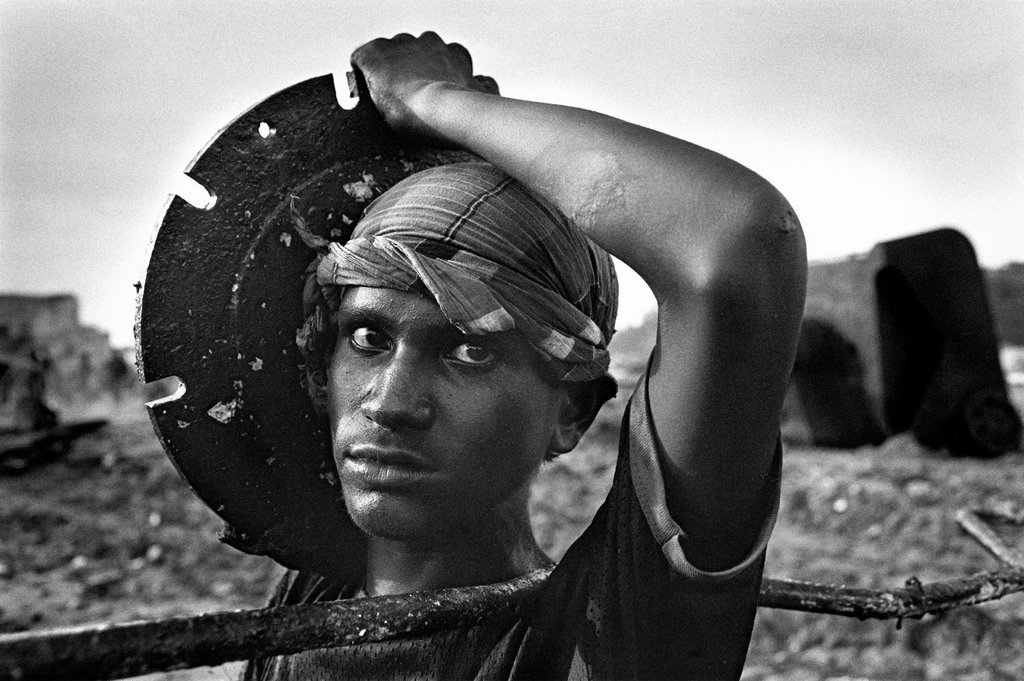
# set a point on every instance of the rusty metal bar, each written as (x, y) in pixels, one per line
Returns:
(113, 651)
(983, 534)
(914, 600)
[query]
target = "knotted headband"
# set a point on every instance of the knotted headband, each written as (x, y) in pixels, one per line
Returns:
(494, 256)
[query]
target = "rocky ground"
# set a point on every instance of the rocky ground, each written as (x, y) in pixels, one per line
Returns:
(110, 533)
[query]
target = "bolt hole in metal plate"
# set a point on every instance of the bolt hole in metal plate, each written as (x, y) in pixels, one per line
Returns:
(221, 303)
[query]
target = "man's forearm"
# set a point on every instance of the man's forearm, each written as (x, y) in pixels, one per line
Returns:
(666, 207)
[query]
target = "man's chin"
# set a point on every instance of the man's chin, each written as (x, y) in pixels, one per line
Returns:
(391, 516)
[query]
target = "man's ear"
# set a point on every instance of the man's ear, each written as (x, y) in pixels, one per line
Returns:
(579, 406)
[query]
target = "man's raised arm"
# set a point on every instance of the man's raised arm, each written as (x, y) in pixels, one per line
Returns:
(719, 246)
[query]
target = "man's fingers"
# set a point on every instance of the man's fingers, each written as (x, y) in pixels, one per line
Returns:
(487, 84)
(387, 63)
(462, 54)
(361, 54)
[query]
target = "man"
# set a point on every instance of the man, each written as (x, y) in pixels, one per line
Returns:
(464, 332)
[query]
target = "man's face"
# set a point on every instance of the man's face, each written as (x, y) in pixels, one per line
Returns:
(434, 431)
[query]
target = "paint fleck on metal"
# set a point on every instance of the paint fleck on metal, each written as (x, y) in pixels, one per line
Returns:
(224, 411)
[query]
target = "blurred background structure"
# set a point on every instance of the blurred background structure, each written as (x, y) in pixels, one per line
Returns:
(902, 339)
(43, 343)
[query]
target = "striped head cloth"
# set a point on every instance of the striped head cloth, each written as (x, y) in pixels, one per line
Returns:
(494, 256)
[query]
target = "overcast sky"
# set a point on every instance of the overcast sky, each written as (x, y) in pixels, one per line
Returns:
(876, 120)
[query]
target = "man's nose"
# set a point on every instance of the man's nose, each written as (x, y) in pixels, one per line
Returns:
(399, 396)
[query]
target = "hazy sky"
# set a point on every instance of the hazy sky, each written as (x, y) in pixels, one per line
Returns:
(876, 119)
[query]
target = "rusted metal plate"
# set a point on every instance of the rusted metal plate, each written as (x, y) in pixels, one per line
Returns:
(221, 303)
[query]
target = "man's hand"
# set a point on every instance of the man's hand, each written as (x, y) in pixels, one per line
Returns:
(400, 69)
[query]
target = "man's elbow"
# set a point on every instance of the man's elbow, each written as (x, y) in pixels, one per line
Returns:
(770, 221)
(760, 251)
(756, 273)
(771, 246)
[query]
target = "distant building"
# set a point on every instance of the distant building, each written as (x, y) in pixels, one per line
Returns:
(42, 341)
(37, 316)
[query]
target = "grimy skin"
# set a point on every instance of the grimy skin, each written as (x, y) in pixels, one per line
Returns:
(719, 246)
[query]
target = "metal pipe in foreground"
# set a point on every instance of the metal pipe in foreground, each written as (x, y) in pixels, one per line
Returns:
(112, 651)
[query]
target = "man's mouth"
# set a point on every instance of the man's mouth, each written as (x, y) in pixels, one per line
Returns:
(373, 465)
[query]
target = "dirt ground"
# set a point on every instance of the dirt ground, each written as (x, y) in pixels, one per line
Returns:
(110, 533)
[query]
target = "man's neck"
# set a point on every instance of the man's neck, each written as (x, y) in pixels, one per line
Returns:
(481, 556)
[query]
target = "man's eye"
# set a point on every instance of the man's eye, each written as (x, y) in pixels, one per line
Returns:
(468, 353)
(365, 338)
